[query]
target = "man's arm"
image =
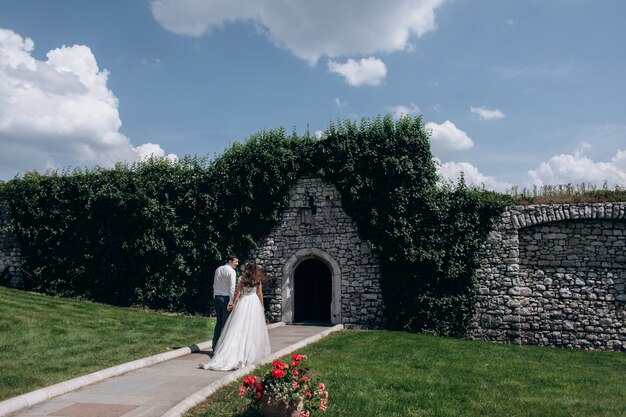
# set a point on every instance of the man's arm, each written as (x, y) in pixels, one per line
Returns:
(232, 282)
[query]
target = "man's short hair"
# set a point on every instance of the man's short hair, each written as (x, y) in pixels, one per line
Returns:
(231, 256)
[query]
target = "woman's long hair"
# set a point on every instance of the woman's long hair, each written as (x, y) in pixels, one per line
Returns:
(252, 275)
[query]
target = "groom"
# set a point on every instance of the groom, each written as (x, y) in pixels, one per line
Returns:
(223, 293)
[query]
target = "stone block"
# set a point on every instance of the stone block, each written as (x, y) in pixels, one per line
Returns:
(523, 291)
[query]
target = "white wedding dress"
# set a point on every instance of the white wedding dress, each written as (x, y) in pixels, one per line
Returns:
(244, 339)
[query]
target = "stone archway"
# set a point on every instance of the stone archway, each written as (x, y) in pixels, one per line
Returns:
(312, 282)
(314, 225)
(297, 264)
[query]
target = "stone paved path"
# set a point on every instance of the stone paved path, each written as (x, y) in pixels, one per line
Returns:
(153, 391)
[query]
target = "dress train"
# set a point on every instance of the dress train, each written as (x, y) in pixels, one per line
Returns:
(244, 339)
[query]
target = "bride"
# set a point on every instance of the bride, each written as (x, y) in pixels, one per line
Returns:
(244, 338)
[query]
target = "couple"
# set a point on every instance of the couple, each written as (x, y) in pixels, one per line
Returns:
(243, 339)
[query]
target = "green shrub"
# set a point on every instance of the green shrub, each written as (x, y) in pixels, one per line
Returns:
(435, 292)
(429, 237)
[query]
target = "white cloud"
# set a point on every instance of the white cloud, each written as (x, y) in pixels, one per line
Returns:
(148, 150)
(452, 171)
(341, 103)
(309, 29)
(487, 114)
(578, 169)
(447, 137)
(401, 110)
(619, 162)
(56, 111)
(151, 61)
(367, 71)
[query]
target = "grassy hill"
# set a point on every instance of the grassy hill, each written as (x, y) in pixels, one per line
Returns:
(45, 340)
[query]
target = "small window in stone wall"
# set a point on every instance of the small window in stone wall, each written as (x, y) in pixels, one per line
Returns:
(307, 213)
(306, 216)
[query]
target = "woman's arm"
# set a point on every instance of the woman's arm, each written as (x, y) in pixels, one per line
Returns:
(259, 292)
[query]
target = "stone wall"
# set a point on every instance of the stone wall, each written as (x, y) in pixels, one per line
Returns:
(315, 226)
(10, 261)
(554, 275)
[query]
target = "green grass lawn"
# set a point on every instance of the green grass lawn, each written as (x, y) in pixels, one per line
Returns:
(379, 373)
(45, 340)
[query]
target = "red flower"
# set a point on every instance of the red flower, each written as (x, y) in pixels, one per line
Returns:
(249, 381)
(297, 357)
(286, 379)
(278, 373)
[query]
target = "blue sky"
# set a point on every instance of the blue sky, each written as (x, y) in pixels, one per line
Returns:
(516, 92)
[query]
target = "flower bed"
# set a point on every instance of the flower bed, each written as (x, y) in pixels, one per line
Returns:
(285, 390)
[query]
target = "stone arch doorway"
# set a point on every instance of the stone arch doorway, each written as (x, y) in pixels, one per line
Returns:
(288, 289)
(312, 281)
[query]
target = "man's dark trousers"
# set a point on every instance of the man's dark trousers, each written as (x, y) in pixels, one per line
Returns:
(221, 313)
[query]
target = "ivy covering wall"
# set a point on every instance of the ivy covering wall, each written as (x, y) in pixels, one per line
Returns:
(152, 233)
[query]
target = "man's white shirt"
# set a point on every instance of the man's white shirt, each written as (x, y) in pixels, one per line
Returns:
(224, 282)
